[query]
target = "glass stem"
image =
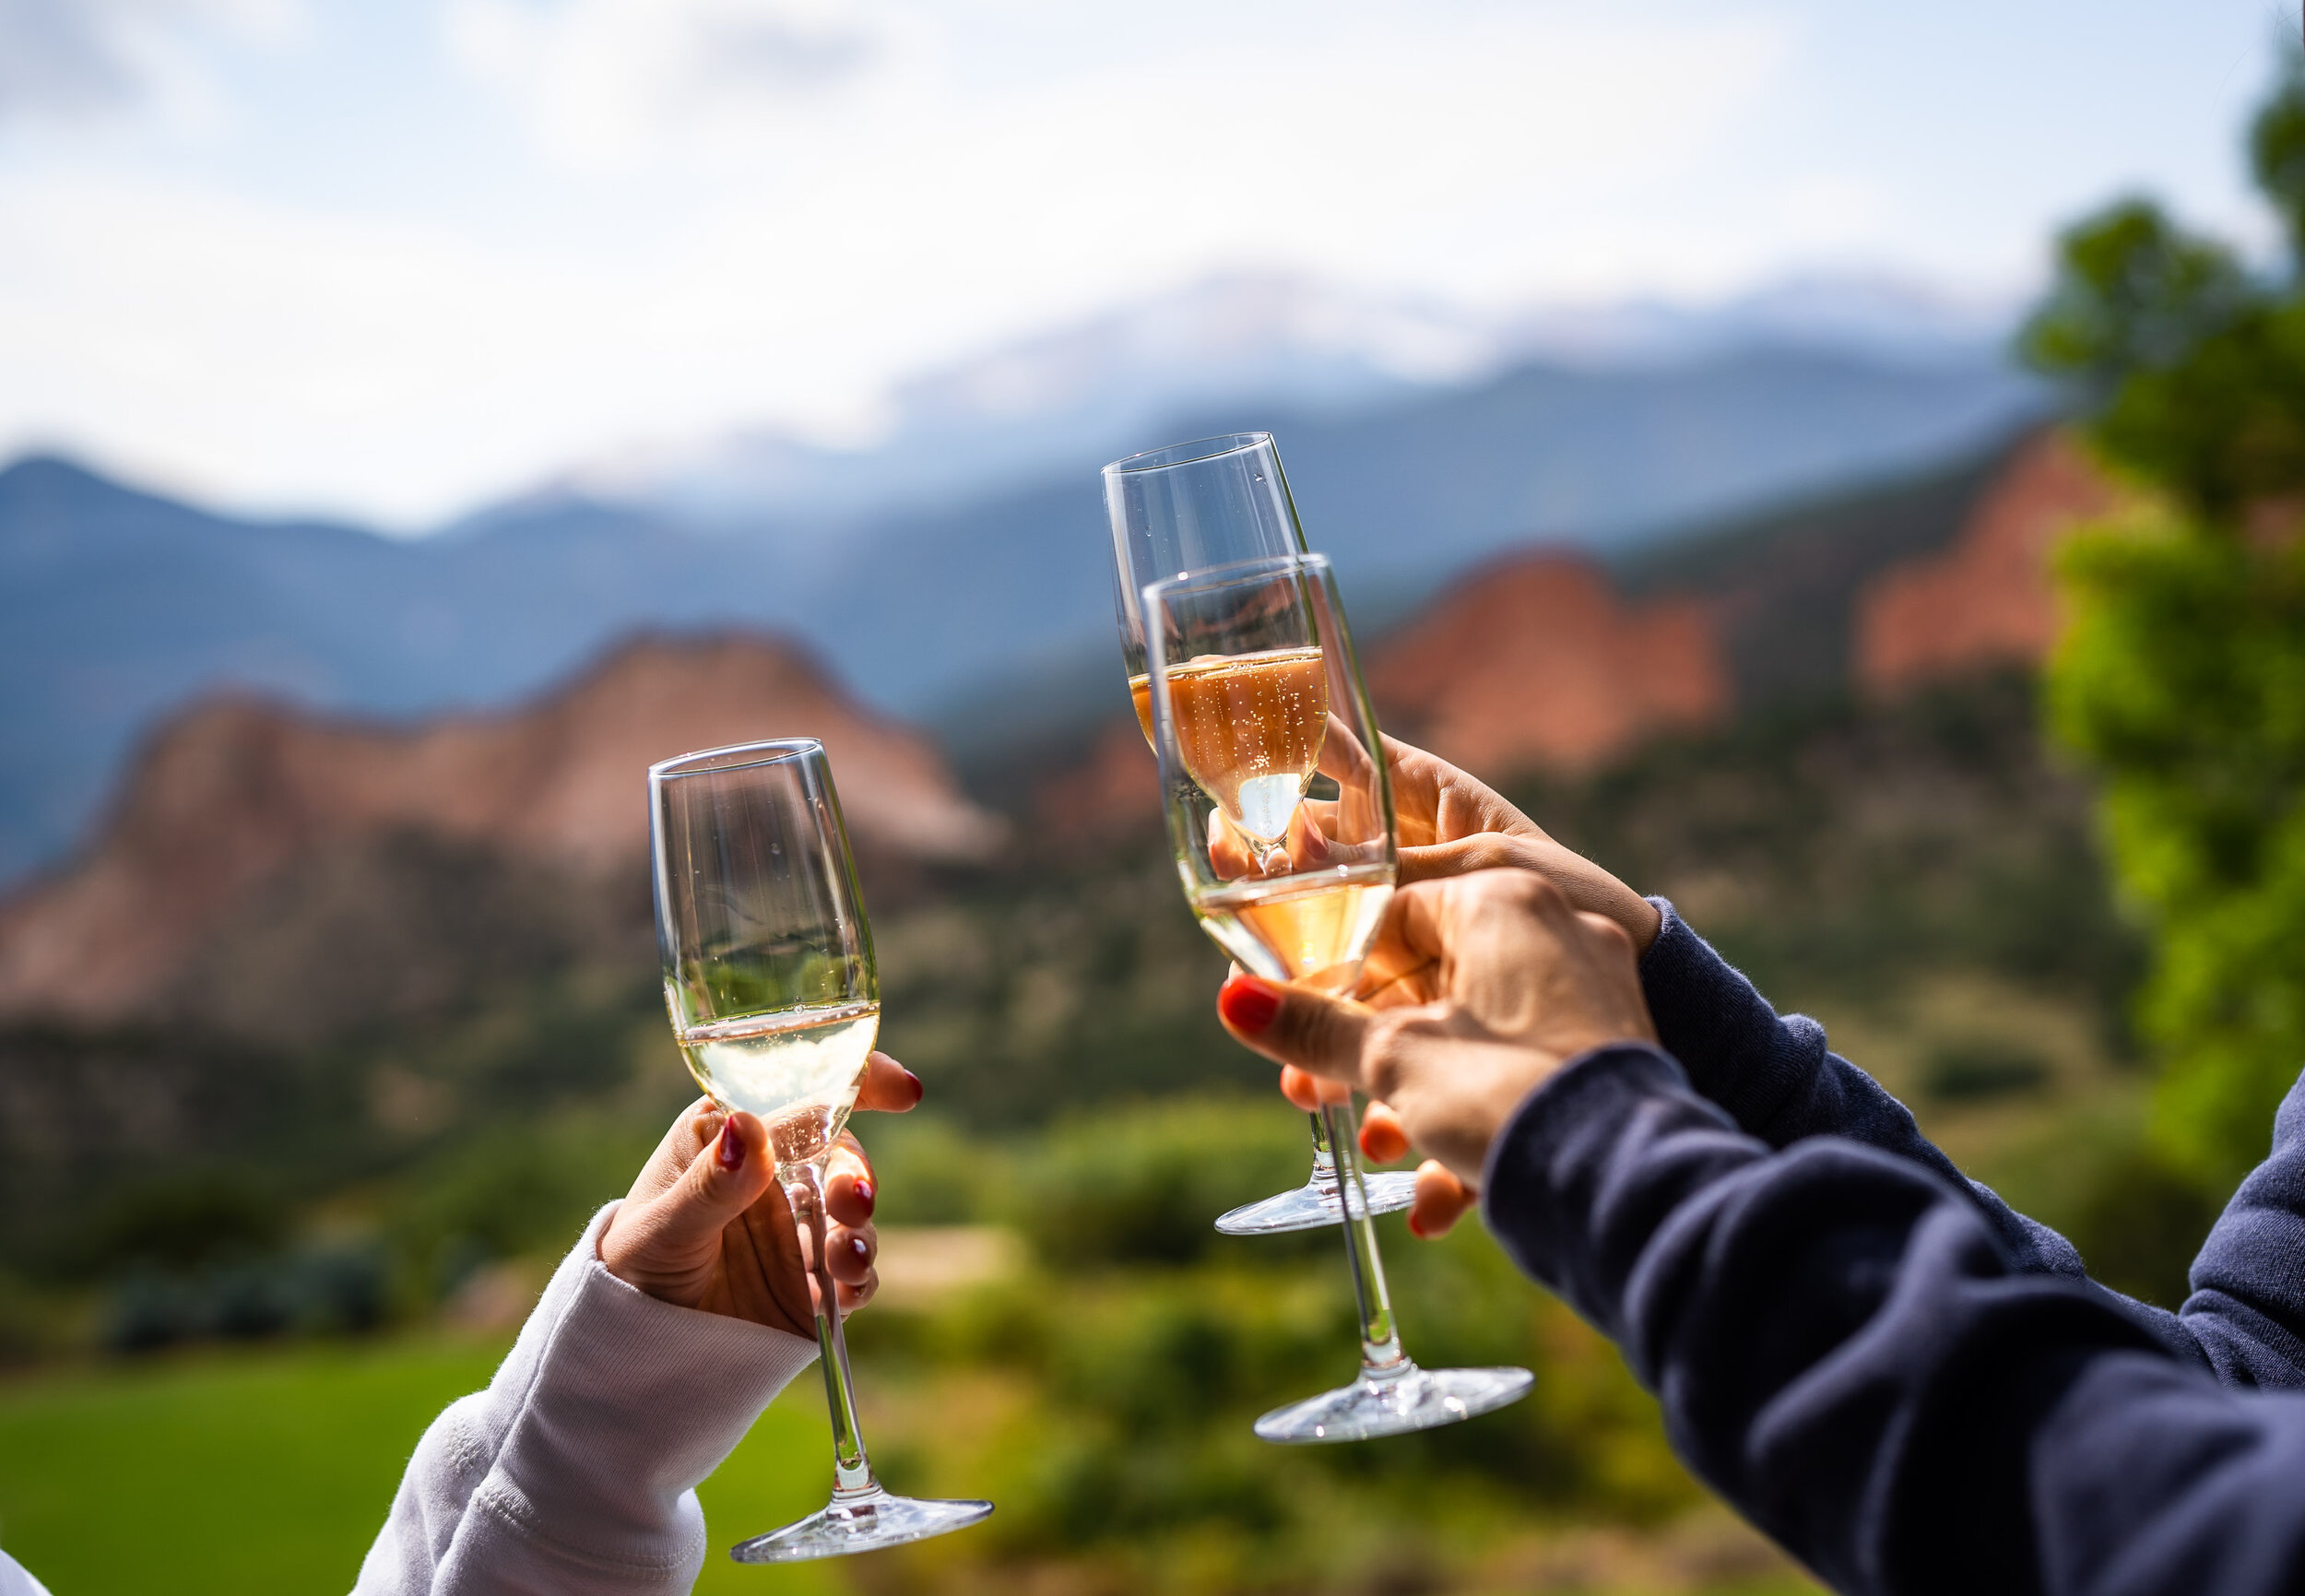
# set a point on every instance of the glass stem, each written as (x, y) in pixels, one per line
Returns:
(1324, 1165)
(1380, 1338)
(852, 1471)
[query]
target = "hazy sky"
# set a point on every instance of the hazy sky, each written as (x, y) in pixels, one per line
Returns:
(390, 258)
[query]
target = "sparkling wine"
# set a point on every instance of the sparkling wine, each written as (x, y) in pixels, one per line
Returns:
(1312, 930)
(1141, 689)
(1249, 729)
(798, 1069)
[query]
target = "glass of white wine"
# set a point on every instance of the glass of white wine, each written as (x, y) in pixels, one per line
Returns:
(1189, 507)
(776, 1003)
(1280, 815)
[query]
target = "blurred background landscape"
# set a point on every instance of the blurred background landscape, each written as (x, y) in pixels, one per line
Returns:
(417, 420)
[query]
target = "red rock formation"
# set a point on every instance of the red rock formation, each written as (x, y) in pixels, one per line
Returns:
(1537, 662)
(1987, 599)
(1533, 663)
(234, 790)
(1114, 789)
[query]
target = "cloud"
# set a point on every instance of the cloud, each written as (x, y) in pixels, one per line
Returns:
(78, 58)
(611, 83)
(856, 218)
(63, 56)
(461, 242)
(776, 54)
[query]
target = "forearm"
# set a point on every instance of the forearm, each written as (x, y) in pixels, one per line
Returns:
(1777, 1080)
(576, 1470)
(1847, 1352)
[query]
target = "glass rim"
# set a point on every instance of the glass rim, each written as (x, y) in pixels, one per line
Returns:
(734, 756)
(1168, 455)
(1212, 576)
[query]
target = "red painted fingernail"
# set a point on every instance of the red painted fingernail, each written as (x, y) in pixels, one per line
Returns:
(918, 1090)
(1247, 1003)
(864, 1194)
(731, 1150)
(856, 1244)
(1414, 1228)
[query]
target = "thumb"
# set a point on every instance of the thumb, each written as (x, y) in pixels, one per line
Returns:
(1319, 1034)
(722, 1180)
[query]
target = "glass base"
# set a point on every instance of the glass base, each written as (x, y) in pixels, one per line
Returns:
(1316, 1203)
(865, 1522)
(1393, 1403)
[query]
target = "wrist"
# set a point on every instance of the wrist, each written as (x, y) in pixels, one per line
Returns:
(625, 1251)
(1468, 1152)
(1642, 920)
(1458, 1132)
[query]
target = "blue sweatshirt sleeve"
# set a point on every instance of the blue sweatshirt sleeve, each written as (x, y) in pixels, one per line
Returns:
(1847, 1349)
(1776, 1078)
(1779, 1081)
(2247, 1310)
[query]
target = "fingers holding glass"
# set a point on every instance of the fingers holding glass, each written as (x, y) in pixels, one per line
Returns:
(1382, 1139)
(1441, 1200)
(852, 1243)
(887, 1087)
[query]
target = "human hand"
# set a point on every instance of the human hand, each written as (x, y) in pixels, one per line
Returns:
(1438, 1199)
(1521, 980)
(707, 1225)
(1451, 824)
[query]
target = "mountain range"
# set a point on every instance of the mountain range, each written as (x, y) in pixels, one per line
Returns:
(1277, 343)
(251, 825)
(374, 871)
(977, 602)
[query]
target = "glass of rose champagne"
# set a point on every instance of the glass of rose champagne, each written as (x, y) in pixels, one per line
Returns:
(1175, 511)
(1280, 816)
(775, 1002)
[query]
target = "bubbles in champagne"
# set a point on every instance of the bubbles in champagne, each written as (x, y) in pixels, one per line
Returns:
(798, 1069)
(1249, 729)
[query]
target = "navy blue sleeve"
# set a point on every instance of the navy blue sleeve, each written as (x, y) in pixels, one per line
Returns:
(1774, 1074)
(1779, 1081)
(1845, 1348)
(2247, 1310)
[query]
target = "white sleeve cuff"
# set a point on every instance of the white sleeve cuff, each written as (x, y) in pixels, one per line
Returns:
(629, 1403)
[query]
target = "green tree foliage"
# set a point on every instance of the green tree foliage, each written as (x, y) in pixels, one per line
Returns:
(2183, 677)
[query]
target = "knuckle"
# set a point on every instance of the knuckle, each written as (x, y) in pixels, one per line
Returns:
(1519, 891)
(1482, 853)
(1537, 892)
(1613, 937)
(1384, 1055)
(1308, 1029)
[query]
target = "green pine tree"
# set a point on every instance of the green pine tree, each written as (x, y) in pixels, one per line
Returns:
(2181, 679)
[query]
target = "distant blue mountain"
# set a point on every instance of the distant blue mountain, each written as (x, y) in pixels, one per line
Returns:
(117, 606)
(1258, 343)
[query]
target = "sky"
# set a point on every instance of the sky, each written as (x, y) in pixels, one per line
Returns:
(391, 259)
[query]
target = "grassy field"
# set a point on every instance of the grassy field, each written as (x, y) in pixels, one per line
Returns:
(271, 1470)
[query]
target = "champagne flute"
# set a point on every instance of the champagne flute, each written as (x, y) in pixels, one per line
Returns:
(1179, 510)
(1280, 815)
(776, 1003)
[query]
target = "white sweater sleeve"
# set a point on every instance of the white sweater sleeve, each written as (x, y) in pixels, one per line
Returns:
(574, 1472)
(15, 1581)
